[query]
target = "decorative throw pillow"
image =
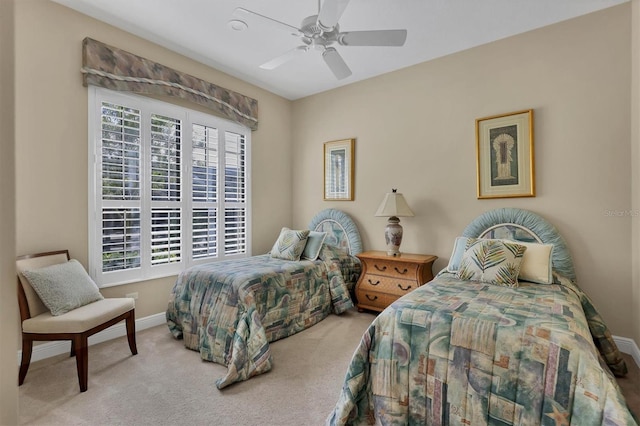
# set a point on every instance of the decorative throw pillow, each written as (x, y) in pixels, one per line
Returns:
(313, 245)
(492, 261)
(290, 244)
(63, 287)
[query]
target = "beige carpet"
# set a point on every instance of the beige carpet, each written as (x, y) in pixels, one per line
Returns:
(166, 384)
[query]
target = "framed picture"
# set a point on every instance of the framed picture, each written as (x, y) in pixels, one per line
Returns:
(504, 145)
(338, 170)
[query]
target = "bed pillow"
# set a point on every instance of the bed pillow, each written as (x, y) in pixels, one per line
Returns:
(314, 245)
(537, 266)
(63, 287)
(491, 261)
(456, 254)
(290, 244)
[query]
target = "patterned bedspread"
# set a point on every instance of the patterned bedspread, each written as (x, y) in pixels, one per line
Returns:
(229, 311)
(466, 353)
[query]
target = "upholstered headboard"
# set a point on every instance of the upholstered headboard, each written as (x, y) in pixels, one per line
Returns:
(523, 225)
(340, 228)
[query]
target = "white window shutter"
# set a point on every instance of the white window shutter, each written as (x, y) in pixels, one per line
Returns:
(235, 219)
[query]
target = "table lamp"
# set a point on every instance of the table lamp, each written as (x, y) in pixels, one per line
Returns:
(393, 206)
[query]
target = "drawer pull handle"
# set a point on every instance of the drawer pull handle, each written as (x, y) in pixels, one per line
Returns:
(401, 272)
(372, 283)
(384, 268)
(371, 298)
(404, 289)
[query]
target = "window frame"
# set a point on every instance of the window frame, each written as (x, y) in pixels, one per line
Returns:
(148, 107)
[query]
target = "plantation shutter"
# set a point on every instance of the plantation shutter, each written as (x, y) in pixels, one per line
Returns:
(121, 201)
(166, 190)
(235, 212)
(204, 191)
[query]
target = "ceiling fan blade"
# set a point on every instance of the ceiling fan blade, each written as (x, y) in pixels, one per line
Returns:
(286, 57)
(373, 38)
(248, 15)
(335, 62)
(330, 13)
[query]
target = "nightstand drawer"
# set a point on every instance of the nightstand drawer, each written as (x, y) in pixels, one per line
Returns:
(392, 268)
(387, 284)
(374, 300)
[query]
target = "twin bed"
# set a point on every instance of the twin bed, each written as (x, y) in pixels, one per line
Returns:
(466, 349)
(462, 351)
(229, 311)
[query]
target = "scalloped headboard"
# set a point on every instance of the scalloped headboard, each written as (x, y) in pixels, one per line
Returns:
(340, 228)
(523, 225)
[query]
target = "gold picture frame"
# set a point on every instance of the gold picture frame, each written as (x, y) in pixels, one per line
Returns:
(338, 170)
(505, 160)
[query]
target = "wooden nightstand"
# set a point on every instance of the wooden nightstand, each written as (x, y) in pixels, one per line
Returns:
(386, 278)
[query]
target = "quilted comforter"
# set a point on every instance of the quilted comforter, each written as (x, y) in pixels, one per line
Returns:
(229, 311)
(466, 353)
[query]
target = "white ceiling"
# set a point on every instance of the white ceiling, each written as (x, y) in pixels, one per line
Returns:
(198, 29)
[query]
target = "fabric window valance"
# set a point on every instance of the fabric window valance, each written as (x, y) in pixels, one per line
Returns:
(113, 68)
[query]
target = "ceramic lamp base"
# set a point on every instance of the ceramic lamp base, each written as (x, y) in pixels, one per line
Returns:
(393, 236)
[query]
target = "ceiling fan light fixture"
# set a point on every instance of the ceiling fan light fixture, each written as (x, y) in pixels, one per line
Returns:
(237, 25)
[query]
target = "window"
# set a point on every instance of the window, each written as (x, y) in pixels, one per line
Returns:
(168, 188)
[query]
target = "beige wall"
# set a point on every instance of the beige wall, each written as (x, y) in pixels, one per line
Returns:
(8, 305)
(415, 131)
(635, 162)
(51, 135)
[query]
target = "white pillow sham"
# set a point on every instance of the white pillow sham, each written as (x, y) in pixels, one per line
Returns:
(537, 264)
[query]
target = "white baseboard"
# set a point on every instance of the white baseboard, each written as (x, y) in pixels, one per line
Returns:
(49, 349)
(628, 346)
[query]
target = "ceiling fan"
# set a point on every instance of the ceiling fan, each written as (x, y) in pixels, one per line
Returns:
(321, 32)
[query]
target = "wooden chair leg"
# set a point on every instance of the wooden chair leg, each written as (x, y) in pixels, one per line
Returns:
(82, 360)
(27, 348)
(73, 349)
(131, 333)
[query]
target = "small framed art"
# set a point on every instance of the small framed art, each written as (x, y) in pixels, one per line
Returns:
(505, 163)
(338, 170)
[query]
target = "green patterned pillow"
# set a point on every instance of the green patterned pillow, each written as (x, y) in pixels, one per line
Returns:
(492, 261)
(290, 244)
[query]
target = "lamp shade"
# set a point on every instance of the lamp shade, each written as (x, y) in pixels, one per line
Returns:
(394, 204)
